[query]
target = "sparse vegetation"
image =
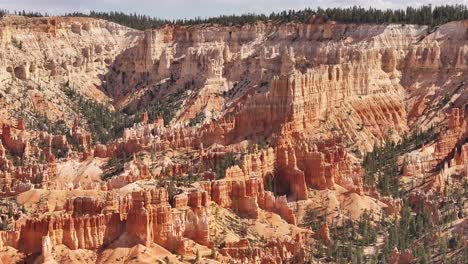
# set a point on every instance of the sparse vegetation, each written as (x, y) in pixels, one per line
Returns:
(197, 119)
(186, 180)
(312, 219)
(103, 123)
(381, 167)
(114, 167)
(17, 43)
(5, 225)
(421, 221)
(446, 99)
(40, 122)
(348, 239)
(261, 144)
(221, 166)
(17, 161)
(165, 107)
(3, 12)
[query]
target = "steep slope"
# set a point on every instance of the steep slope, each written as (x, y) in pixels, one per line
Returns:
(40, 56)
(302, 76)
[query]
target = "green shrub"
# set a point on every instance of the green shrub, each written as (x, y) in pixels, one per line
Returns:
(220, 167)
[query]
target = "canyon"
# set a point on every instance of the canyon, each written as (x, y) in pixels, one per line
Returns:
(239, 132)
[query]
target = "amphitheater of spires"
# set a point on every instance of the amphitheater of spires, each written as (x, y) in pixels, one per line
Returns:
(143, 214)
(270, 122)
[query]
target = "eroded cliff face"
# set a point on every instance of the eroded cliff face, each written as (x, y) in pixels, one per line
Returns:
(271, 119)
(40, 56)
(360, 81)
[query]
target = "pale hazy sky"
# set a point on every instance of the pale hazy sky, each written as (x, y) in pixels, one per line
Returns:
(171, 9)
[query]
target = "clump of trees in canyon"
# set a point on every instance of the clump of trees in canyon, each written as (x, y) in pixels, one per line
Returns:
(105, 124)
(413, 230)
(381, 168)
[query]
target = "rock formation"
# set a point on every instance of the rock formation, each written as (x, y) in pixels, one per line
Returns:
(234, 132)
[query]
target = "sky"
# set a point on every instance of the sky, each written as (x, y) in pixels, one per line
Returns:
(174, 9)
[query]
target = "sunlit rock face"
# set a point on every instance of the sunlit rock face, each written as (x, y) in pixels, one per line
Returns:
(268, 120)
